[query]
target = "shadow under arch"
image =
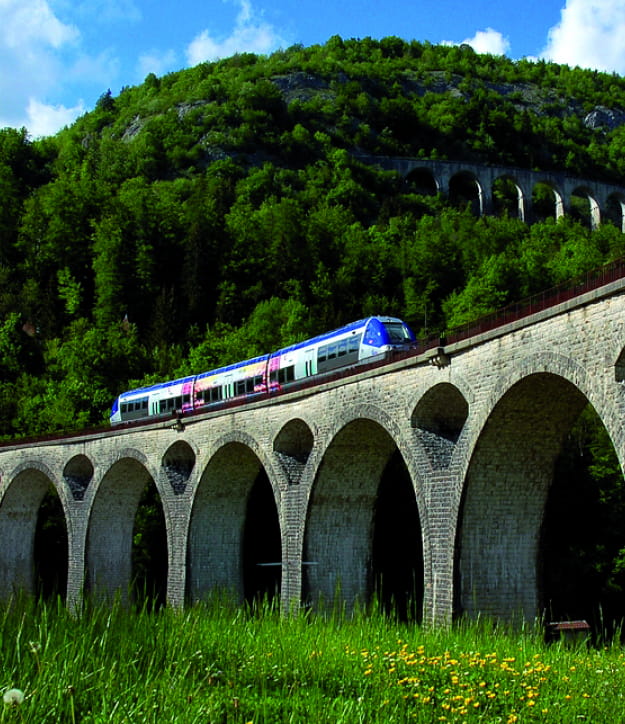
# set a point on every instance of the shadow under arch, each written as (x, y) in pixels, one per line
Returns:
(28, 502)
(363, 532)
(234, 529)
(421, 181)
(508, 198)
(51, 548)
(506, 487)
(439, 418)
(465, 188)
(584, 208)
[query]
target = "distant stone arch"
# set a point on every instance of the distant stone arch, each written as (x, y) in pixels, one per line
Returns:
(508, 197)
(422, 181)
(615, 210)
(547, 201)
(465, 188)
(584, 207)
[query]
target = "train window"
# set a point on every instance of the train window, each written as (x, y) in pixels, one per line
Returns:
(287, 374)
(239, 387)
(186, 399)
(331, 351)
(124, 408)
(342, 348)
(215, 394)
(353, 343)
(144, 405)
(258, 381)
(322, 354)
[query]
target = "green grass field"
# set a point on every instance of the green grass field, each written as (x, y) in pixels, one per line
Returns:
(220, 663)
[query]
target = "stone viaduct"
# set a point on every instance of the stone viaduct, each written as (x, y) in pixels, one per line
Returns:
(479, 184)
(443, 459)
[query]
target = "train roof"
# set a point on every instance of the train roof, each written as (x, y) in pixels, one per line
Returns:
(351, 327)
(234, 366)
(158, 386)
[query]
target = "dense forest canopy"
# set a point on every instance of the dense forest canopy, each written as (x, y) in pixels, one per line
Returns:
(222, 211)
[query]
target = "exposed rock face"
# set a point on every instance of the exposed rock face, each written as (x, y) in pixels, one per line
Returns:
(606, 118)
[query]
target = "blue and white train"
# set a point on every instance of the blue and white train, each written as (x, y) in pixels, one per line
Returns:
(357, 342)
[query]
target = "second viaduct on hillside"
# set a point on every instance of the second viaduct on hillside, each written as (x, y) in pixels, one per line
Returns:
(441, 461)
(481, 184)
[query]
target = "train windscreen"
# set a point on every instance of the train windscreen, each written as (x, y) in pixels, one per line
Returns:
(398, 333)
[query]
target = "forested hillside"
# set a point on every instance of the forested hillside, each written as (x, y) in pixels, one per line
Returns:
(221, 211)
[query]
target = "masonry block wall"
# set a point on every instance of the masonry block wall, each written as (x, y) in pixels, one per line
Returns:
(477, 434)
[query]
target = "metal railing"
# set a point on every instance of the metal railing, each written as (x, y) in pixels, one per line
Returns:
(582, 284)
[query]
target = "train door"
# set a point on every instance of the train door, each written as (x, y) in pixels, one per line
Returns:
(228, 387)
(310, 357)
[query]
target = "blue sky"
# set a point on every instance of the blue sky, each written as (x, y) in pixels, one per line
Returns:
(58, 56)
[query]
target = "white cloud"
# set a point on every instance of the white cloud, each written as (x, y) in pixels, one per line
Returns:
(32, 40)
(590, 34)
(157, 63)
(250, 34)
(486, 41)
(31, 23)
(46, 120)
(41, 59)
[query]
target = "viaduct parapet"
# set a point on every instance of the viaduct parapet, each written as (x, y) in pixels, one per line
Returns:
(442, 460)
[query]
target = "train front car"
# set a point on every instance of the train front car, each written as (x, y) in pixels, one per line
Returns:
(383, 334)
(342, 348)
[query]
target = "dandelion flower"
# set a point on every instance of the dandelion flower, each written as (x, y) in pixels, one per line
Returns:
(13, 697)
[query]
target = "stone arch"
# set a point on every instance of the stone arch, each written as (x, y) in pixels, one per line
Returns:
(422, 181)
(293, 445)
(223, 527)
(508, 197)
(584, 207)
(343, 506)
(111, 524)
(465, 188)
(439, 418)
(19, 510)
(547, 200)
(177, 464)
(506, 485)
(78, 473)
(615, 210)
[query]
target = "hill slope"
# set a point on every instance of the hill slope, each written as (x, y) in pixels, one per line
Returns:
(221, 211)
